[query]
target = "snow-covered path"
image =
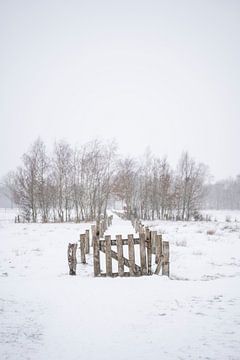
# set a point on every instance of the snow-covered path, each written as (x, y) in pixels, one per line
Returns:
(45, 313)
(120, 227)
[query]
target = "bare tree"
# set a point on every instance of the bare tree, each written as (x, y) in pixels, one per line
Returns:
(125, 183)
(24, 184)
(62, 171)
(43, 180)
(189, 186)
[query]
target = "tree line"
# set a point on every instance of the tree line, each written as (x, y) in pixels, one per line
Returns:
(224, 194)
(78, 184)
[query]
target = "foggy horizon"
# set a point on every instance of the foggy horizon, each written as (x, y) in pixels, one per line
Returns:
(147, 74)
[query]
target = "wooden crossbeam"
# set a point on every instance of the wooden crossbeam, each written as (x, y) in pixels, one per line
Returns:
(114, 255)
(124, 242)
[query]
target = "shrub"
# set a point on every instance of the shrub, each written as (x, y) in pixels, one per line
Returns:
(211, 232)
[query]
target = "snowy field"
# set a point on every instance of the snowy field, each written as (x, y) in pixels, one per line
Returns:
(46, 314)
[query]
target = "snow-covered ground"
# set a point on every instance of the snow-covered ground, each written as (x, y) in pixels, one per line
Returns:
(47, 314)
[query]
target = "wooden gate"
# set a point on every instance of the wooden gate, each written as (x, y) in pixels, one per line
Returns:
(147, 245)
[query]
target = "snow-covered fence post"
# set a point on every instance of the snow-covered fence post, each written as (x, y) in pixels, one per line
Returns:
(72, 258)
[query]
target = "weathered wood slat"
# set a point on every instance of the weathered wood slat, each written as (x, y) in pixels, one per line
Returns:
(93, 231)
(131, 255)
(158, 242)
(149, 251)
(120, 255)
(87, 245)
(165, 268)
(153, 238)
(96, 254)
(143, 254)
(82, 248)
(108, 256)
(72, 258)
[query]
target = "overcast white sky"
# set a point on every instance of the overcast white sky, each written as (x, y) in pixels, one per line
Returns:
(159, 73)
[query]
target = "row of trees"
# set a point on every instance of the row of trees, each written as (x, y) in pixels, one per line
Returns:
(77, 184)
(69, 184)
(224, 194)
(152, 189)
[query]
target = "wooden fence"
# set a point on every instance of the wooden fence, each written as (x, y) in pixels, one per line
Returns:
(149, 247)
(144, 242)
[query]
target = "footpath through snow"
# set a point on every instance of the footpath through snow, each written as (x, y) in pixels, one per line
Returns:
(45, 313)
(120, 227)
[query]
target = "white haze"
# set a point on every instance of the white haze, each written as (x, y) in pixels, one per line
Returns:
(163, 74)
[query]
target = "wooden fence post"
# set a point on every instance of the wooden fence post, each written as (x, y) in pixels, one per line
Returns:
(131, 255)
(143, 253)
(82, 248)
(165, 270)
(108, 256)
(96, 256)
(72, 258)
(120, 255)
(158, 246)
(153, 238)
(93, 231)
(159, 256)
(87, 245)
(149, 251)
